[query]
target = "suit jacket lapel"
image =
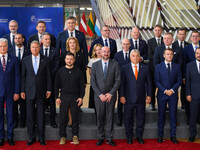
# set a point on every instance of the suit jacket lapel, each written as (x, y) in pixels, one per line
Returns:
(101, 68)
(165, 70)
(41, 51)
(101, 41)
(8, 62)
(131, 72)
(40, 63)
(140, 71)
(192, 51)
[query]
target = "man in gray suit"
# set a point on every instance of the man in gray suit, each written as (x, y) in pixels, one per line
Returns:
(105, 81)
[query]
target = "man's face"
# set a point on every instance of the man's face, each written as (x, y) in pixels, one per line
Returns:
(168, 39)
(105, 52)
(71, 23)
(105, 32)
(181, 35)
(168, 55)
(69, 60)
(135, 33)
(135, 57)
(46, 40)
(126, 45)
(195, 38)
(3, 48)
(18, 40)
(157, 31)
(13, 27)
(41, 27)
(197, 54)
(35, 49)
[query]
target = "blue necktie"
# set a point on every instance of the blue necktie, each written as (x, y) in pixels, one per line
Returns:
(195, 48)
(46, 49)
(105, 69)
(126, 58)
(199, 68)
(19, 54)
(106, 43)
(13, 40)
(35, 65)
(168, 68)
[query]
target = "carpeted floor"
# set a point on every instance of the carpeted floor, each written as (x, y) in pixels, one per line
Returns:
(150, 144)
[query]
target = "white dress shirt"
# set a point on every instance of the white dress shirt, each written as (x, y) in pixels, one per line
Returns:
(137, 43)
(39, 37)
(11, 38)
(6, 58)
(179, 43)
(45, 50)
(21, 51)
(107, 41)
(134, 67)
(197, 62)
(103, 63)
(194, 46)
(69, 33)
(125, 54)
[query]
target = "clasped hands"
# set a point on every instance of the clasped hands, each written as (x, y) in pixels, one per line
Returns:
(169, 92)
(105, 97)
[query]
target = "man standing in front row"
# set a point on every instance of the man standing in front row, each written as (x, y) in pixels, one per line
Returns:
(167, 79)
(70, 81)
(35, 88)
(105, 81)
(134, 78)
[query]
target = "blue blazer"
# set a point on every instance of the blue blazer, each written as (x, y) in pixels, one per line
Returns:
(113, 46)
(119, 57)
(10, 79)
(165, 82)
(142, 48)
(192, 81)
(62, 39)
(133, 90)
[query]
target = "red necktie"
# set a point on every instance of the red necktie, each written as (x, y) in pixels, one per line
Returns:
(4, 63)
(136, 72)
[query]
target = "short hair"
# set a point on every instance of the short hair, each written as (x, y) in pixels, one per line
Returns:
(197, 48)
(41, 21)
(43, 34)
(135, 50)
(36, 42)
(168, 49)
(4, 40)
(135, 27)
(69, 54)
(77, 44)
(182, 29)
(12, 21)
(195, 31)
(20, 34)
(71, 18)
(101, 28)
(159, 26)
(94, 55)
(168, 33)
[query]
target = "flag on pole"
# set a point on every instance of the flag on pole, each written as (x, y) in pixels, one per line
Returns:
(83, 26)
(76, 27)
(97, 28)
(66, 15)
(90, 25)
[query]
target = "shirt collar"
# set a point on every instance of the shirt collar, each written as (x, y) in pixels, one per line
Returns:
(69, 32)
(21, 48)
(167, 63)
(6, 55)
(33, 57)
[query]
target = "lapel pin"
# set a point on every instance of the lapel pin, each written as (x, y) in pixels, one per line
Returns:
(174, 52)
(41, 60)
(8, 60)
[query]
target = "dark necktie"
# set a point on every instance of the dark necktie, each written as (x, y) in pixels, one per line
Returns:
(136, 47)
(126, 58)
(71, 34)
(168, 68)
(105, 70)
(46, 49)
(181, 46)
(106, 43)
(13, 40)
(4, 63)
(199, 68)
(158, 40)
(19, 54)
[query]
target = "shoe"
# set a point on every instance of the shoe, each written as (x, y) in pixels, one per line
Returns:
(22, 124)
(1, 142)
(54, 125)
(75, 140)
(11, 142)
(63, 140)
(130, 141)
(47, 109)
(30, 142)
(111, 142)
(140, 140)
(42, 141)
(191, 139)
(99, 142)
(182, 107)
(153, 108)
(69, 125)
(16, 124)
(160, 139)
(174, 140)
(119, 123)
(167, 109)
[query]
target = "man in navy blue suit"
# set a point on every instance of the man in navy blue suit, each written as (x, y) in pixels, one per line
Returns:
(167, 79)
(9, 85)
(13, 27)
(192, 92)
(122, 58)
(139, 44)
(53, 55)
(20, 51)
(105, 41)
(71, 31)
(135, 90)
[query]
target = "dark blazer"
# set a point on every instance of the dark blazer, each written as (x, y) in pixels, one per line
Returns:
(10, 79)
(135, 90)
(142, 48)
(175, 43)
(113, 46)
(192, 81)
(35, 85)
(165, 82)
(53, 60)
(62, 39)
(35, 37)
(7, 36)
(158, 55)
(119, 57)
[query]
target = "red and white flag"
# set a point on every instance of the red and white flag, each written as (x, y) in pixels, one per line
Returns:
(83, 26)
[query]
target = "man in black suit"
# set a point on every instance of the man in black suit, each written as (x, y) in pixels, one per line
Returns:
(192, 92)
(35, 87)
(139, 44)
(20, 51)
(71, 31)
(53, 55)
(152, 44)
(104, 40)
(41, 28)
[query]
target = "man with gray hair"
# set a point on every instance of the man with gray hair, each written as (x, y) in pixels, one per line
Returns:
(135, 85)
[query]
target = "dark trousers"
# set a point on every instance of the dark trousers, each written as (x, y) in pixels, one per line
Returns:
(9, 113)
(35, 114)
(69, 101)
(22, 109)
(51, 102)
(194, 115)
(129, 109)
(120, 109)
(162, 104)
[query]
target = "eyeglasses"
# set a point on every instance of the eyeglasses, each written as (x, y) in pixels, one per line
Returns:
(195, 36)
(106, 30)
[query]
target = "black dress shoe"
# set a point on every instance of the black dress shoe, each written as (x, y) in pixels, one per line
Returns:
(30, 142)
(42, 141)
(111, 142)
(99, 142)
(140, 140)
(22, 124)
(119, 123)
(1, 142)
(153, 108)
(130, 141)
(16, 124)
(54, 125)
(174, 140)
(11, 142)
(69, 125)
(191, 139)
(160, 139)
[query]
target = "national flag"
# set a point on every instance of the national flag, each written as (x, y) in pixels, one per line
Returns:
(76, 27)
(83, 26)
(97, 28)
(65, 27)
(90, 25)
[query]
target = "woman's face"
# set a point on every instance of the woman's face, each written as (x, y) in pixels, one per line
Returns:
(98, 51)
(72, 44)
